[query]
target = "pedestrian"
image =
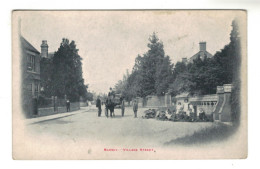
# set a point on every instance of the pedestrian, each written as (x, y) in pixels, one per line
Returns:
(98, 105)
(123, 106)
(135, 107)
(106, 107)
(68, 105)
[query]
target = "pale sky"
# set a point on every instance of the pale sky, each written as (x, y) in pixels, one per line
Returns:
(109, 41)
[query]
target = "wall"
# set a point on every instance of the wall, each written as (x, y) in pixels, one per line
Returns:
(50, 110)
(208, 109)
(155, 101)
(83, 104)
(46, 111)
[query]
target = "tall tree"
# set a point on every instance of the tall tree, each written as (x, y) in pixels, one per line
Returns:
(236, 51)
(156, 68)
(67, 72)
(164, 76)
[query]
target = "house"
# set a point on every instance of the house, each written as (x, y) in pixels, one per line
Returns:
(30, 73)
(202, 54)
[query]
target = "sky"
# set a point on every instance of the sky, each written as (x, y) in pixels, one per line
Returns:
(109, 41)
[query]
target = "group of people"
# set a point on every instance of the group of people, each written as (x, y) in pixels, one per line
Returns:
(110, 105)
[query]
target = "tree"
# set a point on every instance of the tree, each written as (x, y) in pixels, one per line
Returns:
(164, 76)
(151, 74)
(237, 56)
(155, 69)
(62, 74)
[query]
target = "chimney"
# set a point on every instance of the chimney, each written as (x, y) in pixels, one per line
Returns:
(44, 49)
(184, 60)
(203, 46)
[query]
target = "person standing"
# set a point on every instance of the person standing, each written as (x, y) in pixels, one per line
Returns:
(106, 107)
(123, 106)
(98, 105)
(68, 105)
(135, 107)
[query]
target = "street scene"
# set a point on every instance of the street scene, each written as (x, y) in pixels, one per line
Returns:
(123, 131)
(121, 80)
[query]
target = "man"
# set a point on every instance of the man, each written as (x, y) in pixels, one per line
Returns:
(135, 107)
(68, 105)
(123, 106)
(106, 107)
(111, 93)
(98, 105)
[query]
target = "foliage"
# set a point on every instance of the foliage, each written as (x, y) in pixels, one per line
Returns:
(62, 74)
(151, 74)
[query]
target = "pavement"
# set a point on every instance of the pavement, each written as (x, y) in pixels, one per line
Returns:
(55, 116)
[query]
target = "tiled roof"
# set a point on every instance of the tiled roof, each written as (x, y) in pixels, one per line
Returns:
(26, 45)
(50, 54)
(205, 53)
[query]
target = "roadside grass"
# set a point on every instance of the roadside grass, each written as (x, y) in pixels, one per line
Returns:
(216, 133)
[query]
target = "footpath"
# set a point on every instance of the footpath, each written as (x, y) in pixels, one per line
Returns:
(56, 116)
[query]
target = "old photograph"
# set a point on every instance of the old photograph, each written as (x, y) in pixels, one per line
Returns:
(129, 84)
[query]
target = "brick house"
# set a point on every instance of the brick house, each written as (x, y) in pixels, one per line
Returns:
(30, 73)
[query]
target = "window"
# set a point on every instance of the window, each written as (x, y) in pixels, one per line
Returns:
(36, 88)
(30, 87)
(31, 63)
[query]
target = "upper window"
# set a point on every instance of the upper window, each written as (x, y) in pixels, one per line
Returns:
(31, 63)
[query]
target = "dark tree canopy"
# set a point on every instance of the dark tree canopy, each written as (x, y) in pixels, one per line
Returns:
(151, 74)
(62, 74)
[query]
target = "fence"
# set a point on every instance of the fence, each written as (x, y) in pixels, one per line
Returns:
(45, 102)
(48, 106)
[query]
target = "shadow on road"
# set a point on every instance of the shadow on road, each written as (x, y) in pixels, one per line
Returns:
(214, 134)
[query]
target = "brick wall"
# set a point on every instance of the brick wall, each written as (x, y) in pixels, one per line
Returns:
(50, 110)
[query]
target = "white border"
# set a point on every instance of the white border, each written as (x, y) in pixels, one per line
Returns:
(252, 6)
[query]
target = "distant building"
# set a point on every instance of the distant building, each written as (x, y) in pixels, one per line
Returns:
(202, 54)
(185, 60)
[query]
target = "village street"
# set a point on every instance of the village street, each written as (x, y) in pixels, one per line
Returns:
(124, 131)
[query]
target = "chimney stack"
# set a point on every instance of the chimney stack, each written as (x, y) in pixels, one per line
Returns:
(203, 46)
(44, 49)
(184, 60)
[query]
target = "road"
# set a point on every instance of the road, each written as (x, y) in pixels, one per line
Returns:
(123, 131)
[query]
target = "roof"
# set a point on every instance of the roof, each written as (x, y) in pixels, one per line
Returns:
(203, 53)
(26, 45)
(50, 54)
